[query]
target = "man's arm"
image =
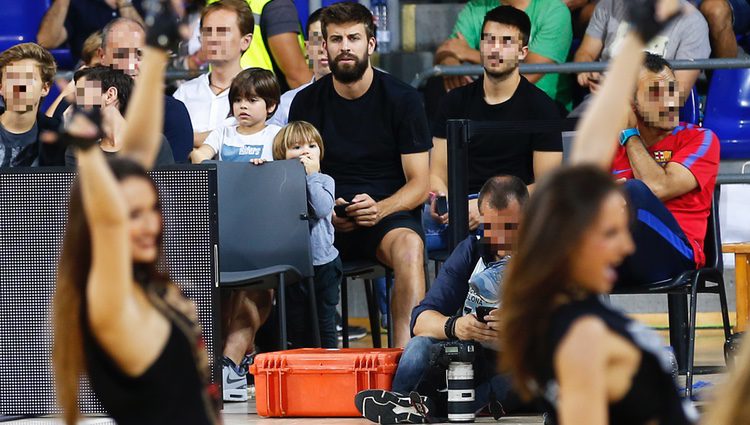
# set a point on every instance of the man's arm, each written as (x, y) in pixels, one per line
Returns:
(199, 138)
(535, 58)
(589, 51)
(288, 55)
(127, 10)
(52, 32)
(545, 162)
(439, 166)
(551, 40)
(667, 182)
(367, 212)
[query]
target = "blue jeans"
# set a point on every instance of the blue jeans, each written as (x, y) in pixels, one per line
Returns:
(662, 251)
(414, 373)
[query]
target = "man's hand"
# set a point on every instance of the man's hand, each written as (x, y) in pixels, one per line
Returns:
(364, 210)
(343, 224)
(458, 46)
(441, 219)
(469, 328)
(592, 80)
(454, 81)
(473, 214)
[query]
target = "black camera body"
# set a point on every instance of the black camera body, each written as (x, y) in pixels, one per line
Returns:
(455, 351)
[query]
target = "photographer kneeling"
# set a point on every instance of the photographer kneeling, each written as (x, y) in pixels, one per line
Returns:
(455, 326)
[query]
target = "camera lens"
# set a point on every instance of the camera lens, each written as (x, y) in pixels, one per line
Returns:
(460, 377)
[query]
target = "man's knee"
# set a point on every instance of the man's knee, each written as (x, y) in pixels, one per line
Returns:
(717, 12)
(637, 190)
(417, 350)
(408, 248)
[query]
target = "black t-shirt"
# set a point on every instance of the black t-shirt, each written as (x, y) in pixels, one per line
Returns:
(85, 17)
(364, 138)
(510, 154)
(19, 149)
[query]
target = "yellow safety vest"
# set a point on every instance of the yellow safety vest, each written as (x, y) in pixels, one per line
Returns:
(257, 55)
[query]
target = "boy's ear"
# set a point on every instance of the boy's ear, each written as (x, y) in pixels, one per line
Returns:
(110, 96)
(45, 88)
(271, 109)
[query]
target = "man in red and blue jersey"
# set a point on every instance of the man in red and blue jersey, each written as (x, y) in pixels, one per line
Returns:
(670, 171)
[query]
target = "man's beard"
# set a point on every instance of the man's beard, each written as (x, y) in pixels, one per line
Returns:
(349, 75)
(499, 76)
(646, 118)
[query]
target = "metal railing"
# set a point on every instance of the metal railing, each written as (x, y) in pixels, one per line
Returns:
(170, 75)
(573, 68)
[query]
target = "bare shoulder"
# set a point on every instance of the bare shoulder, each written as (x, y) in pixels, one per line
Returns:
(584, 344)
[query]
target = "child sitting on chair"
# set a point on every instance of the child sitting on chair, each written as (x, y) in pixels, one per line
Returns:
(300, 140)
(253, 98)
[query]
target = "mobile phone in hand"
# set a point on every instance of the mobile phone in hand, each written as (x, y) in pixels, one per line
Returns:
(483, 311)
(340, 210)
(441, 205)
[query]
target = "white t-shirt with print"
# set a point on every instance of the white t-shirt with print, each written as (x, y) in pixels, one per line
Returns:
(236, 147)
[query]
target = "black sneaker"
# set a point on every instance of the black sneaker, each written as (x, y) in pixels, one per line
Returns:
(355, 332)
(387, 407)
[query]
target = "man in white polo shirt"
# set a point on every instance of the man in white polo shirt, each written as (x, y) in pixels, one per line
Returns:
(226, 32)
(318, 58)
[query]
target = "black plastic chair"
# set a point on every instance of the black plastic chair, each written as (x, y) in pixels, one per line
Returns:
(264, 234)
(694, 282)
(368, 271)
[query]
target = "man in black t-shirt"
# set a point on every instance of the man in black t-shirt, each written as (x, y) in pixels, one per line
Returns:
(502, 94)
(377, 142)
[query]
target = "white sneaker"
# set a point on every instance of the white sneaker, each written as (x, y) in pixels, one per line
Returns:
(235, 383)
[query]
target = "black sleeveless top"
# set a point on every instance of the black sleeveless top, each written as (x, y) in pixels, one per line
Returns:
(172, 390)
(652, 398)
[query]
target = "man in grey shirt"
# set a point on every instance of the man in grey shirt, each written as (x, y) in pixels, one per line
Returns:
(685, 38)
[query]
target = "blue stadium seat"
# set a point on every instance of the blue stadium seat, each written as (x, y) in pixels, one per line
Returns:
(19, 22)
(690, 111)
(728, 111)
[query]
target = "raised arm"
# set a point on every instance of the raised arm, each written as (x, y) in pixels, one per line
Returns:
(144, 117)
(52, 32)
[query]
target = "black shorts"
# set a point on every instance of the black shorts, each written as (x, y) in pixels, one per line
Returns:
(362, 244)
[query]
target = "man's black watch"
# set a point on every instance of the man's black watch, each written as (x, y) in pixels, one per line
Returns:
(450, 327)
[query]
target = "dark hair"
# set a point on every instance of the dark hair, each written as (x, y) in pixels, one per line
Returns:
(245, 18)
(564, 205)
(347, 13)
(655, 63)
(33, 51)
(109, 77)
(113, 23)
(509, 15)
(255, 82)
(313, 18)
(72, 279)
(499, 191)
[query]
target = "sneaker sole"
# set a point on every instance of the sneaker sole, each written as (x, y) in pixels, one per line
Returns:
(383, 407)
(237, 394)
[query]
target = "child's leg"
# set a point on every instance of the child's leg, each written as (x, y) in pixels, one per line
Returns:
(297, 316)
(327, 283)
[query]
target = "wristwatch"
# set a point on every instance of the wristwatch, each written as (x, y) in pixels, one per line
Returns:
(626, 134)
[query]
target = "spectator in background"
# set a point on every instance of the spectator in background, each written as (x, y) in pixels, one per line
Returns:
(277, 43)
(74, 20)
(318, 58)
(26, 73)
(109, 90)
(501, 94)
(551, 36)
(122, 40)
(91, 51)
(686, 37)
(226, 32)
(254, 95)
(470, 280)
(726, 19)
(377, 144)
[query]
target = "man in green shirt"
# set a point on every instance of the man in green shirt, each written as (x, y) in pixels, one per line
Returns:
(551, 35)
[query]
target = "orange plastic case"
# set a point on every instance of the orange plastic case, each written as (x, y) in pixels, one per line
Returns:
(319, 382)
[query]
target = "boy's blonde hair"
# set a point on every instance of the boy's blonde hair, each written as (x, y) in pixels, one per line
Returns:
(293, 134)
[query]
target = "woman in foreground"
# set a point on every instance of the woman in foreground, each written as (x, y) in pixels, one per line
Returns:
(117, 319)
(590, 363)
